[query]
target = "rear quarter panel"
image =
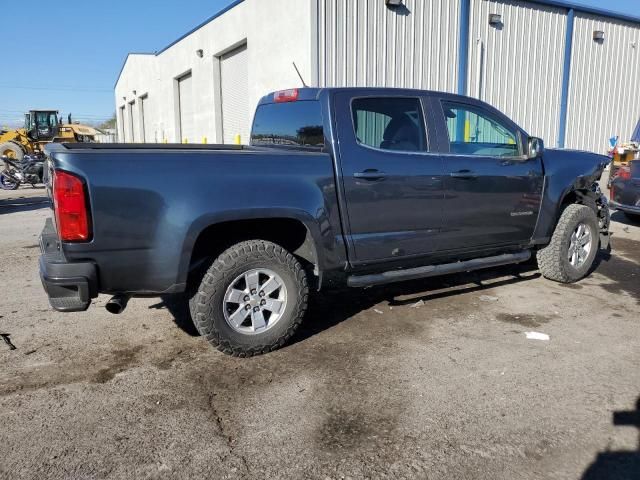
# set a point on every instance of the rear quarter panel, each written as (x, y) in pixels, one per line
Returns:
(148, 207)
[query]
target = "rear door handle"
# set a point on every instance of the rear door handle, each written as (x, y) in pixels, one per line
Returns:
(370, 174)
(468, 174)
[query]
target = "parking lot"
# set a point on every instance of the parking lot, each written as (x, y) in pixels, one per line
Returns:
(427, 379)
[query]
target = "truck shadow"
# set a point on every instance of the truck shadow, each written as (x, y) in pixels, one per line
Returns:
(618, 465)
(13, 205)
(330, 308)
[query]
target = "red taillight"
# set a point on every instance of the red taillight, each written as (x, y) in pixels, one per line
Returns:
(70, 207)
(286, 96)
(624, 173)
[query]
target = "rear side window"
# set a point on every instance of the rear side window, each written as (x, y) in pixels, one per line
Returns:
(294, 124)
(390, 123)
(475, 132)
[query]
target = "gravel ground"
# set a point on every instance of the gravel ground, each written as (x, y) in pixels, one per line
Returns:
(429, 379)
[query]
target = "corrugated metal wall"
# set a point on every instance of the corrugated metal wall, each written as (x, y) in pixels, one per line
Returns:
(520, 72)
(604, 97)
(364, 43)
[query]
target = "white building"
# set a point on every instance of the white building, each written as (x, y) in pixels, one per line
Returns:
(566, 73)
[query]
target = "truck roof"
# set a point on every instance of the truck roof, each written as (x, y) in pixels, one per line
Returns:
(312, 93)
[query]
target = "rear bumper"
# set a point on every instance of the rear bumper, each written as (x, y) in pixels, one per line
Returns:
(625, 208)
(69, 286)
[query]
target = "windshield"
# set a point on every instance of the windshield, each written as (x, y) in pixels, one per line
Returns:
(44, 119)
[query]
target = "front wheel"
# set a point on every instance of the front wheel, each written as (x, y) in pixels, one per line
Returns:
(251, 300)
(7, 183)
(573, 247)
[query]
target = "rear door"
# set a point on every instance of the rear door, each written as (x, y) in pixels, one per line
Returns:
(392, 184)
(493, 191)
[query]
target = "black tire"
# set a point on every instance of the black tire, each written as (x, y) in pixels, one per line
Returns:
(12, 150)
(207, 304)
(7, 184)
(553, 260)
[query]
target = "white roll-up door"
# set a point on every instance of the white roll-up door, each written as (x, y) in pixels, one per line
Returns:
(122, 136)
(234, 86)
(143, 119)
(132, 115)
(187, 109)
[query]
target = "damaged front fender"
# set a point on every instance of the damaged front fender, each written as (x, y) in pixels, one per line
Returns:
(571, 177)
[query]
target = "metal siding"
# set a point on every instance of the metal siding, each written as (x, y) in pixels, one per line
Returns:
(187, 109)
(364, 43)
(234, 86)
(521, 63)
(604, 97)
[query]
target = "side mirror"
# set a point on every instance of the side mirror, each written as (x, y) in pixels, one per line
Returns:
(536, 147)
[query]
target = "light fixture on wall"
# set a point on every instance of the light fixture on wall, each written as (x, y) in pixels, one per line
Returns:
(598, 36)
(200, 53)
(134, 92)
(495, 19)
(393, 3)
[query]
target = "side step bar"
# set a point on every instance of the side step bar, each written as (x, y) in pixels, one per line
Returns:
(435, 270)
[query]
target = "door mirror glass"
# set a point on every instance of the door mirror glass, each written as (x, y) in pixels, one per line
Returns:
(536, 147)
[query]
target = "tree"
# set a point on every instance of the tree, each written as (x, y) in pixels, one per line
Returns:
(111, 123)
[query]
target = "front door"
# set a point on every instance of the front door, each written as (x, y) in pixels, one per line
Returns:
(493, 192)
(392, 184)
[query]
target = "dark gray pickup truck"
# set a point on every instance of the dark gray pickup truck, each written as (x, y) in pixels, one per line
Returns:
(354, 187)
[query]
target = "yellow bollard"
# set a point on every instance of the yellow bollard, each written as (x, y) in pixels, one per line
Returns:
(165, 141)
(204, 140)
(238, 140)
(186, 140)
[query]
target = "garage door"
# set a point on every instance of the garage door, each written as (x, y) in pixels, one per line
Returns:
(234, 87)
(185, 95)
(132, 115)
(123, 127)
(144, 104)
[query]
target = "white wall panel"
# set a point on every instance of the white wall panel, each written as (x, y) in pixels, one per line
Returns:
(604, 94)
(364, 43)
(520, 72)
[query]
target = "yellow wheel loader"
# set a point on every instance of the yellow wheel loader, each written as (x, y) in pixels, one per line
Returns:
(42, 127)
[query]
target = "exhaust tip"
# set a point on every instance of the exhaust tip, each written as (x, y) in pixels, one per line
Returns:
(117, 304)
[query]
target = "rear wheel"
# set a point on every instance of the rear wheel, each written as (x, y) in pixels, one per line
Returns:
(11, 150)
(7, 184)
(251, 300)
(573, 247)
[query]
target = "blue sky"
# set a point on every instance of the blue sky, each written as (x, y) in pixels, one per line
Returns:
(69, 56)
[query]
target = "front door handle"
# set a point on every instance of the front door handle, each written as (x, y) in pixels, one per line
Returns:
(465, 174)
(370, 174)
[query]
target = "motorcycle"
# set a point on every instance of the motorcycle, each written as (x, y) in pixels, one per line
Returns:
(28, 170)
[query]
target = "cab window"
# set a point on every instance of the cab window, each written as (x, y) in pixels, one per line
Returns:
(474, 132)
(389, 123)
